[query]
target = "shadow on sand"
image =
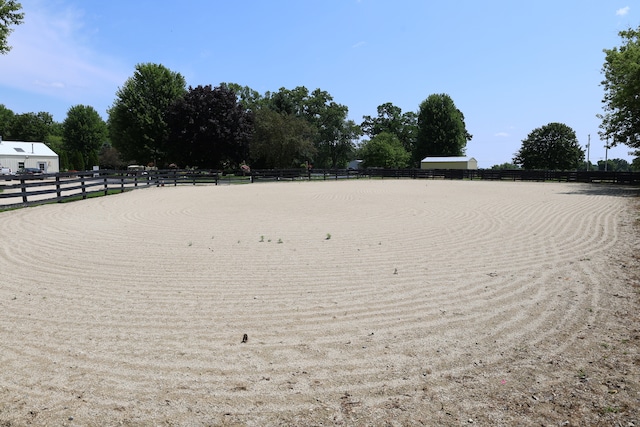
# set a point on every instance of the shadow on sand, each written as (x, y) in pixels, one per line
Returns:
(615, 190)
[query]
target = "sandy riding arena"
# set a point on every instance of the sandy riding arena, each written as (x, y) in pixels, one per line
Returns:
(356, 303)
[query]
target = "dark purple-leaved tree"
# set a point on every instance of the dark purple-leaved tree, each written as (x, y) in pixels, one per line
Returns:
(209, 129)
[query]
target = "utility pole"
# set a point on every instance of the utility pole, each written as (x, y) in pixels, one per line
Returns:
(588, 146)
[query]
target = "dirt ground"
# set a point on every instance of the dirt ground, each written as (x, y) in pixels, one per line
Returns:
(356, 303)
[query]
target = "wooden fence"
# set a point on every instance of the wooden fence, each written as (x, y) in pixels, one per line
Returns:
(28, 190)
(19, 191)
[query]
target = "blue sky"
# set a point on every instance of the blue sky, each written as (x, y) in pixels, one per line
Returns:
(509, 66)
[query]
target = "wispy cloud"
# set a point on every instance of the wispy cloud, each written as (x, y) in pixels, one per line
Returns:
(623, 11)
(50, 56)
(57, 85)
(502, 134)
(358, 45)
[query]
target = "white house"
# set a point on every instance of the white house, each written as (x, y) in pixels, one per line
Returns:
(19, 154)
(466, 163)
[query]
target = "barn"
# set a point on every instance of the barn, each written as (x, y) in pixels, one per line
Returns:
(466, 163)
(19, 154)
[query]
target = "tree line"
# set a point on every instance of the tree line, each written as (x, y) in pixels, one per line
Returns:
(157, 120)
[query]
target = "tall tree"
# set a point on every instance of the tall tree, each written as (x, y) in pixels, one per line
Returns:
(249, 99)
(54, 140)
(552, 147)
(6, 117)
(281, 140)
(621, 120)
(137, 119)
(290, 101)
(209, 128)
(31, 126)
(391, 119)
(84, 131)
(385, 150)
(441, 129)
(9, 15)
(336, 144)
(333, 133)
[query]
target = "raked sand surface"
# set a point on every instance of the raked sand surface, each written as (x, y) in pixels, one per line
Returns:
(395, 302)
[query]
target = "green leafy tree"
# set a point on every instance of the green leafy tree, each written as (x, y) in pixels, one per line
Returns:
(54, 136)
(31, 126)
(391, 119)
(250, 99)
(441, 129)
(84, 131)
(94, 160)
(587, 166)
(63, 159)
(77, 161)
(137, 119)
(551, 147)
(209, 128)
(333, 133)
(385, 150)
(336, 144)
(621, 120)
(614, 165)
(56, 143)
(281, 140)
(109, 158)
(6, 117)
(290, 101)
(505, 166)
(9, 15)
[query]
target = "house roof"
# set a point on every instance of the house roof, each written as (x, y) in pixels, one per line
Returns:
(447, 159)
(22, 148)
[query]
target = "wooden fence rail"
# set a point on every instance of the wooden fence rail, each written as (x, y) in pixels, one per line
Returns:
(28, 190)
(18, 191)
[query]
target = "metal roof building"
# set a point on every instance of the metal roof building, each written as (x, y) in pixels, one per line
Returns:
(467, 163)
(20, 154)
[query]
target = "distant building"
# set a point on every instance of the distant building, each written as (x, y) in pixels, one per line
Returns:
(466, 163)
(355, 164)
(19, 154)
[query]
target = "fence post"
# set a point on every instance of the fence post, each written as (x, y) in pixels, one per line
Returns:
(84, 187)
(23, 190)
(58, 191)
